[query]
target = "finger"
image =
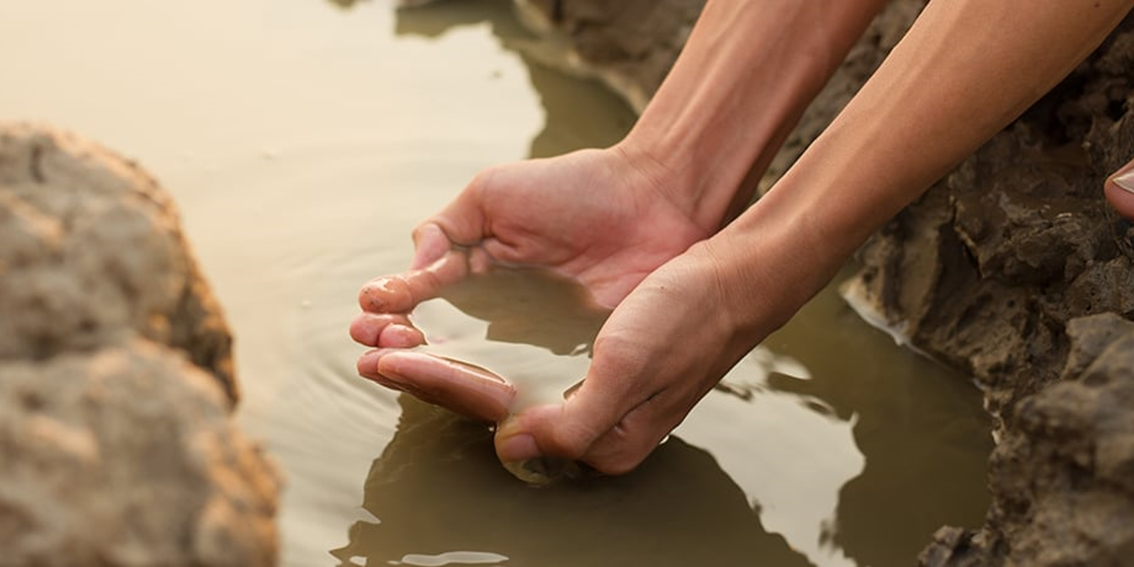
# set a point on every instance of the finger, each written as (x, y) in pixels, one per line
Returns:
(367, 328)
(400, 293)
(429, 244)
(544, 432)
(462, 388)
(1119, 190)
(400, 336)
(367, 366)
(570, 430)
(464, 220)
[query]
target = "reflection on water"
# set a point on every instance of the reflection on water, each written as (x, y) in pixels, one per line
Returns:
(437, 487)
(578, 113)
(303, 142)
(528, 326)
(526, 306)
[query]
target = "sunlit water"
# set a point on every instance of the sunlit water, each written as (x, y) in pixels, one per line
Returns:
(303, 139)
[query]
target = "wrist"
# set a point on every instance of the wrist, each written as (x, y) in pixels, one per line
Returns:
(732, 98)
(769, 263)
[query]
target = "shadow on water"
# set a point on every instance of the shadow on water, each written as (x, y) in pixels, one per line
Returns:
(438, 488)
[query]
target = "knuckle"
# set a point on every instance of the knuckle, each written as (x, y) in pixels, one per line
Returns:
(570, 443)
(483, 178)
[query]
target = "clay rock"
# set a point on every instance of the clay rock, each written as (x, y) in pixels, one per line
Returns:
(91, 254)
(1015, 214)
(1067, 479)
(1089, 337)
(1063, 475)
(117, 444)
(126, 455)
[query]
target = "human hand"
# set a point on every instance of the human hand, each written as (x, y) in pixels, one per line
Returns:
(592, 216)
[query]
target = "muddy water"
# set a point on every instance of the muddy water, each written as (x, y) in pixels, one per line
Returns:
(304, 138)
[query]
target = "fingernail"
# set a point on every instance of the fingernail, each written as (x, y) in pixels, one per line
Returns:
(368, 364)
(1125, 181)
(368, 368)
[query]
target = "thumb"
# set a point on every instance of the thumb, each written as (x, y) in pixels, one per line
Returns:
(400, 293)
(601, 424)
(1119, 190)
(445, 250)
(462, 223)
(525, 457)
(429, 245)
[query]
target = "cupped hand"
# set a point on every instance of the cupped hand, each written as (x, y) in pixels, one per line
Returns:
(594, 216)
(662, 349)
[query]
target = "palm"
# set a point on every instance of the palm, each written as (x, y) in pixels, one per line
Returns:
(577, 215)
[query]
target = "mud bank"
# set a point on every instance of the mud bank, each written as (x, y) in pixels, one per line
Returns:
(1012, 269)
(117, 444)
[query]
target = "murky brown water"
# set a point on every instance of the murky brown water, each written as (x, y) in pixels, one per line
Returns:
(303, 140)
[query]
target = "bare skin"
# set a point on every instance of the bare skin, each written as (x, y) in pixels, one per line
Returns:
(1120, 191)
(640, 224)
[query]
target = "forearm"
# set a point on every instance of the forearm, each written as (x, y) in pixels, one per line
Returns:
(962, 73)
(746, 74)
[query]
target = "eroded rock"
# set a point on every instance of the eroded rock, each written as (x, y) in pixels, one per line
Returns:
(117, 446)
(91, 253)
(1064, 473)
(126, 455)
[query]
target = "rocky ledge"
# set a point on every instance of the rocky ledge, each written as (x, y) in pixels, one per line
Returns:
(117, 443)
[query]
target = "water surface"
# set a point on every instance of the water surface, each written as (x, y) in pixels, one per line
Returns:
(303, 140)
